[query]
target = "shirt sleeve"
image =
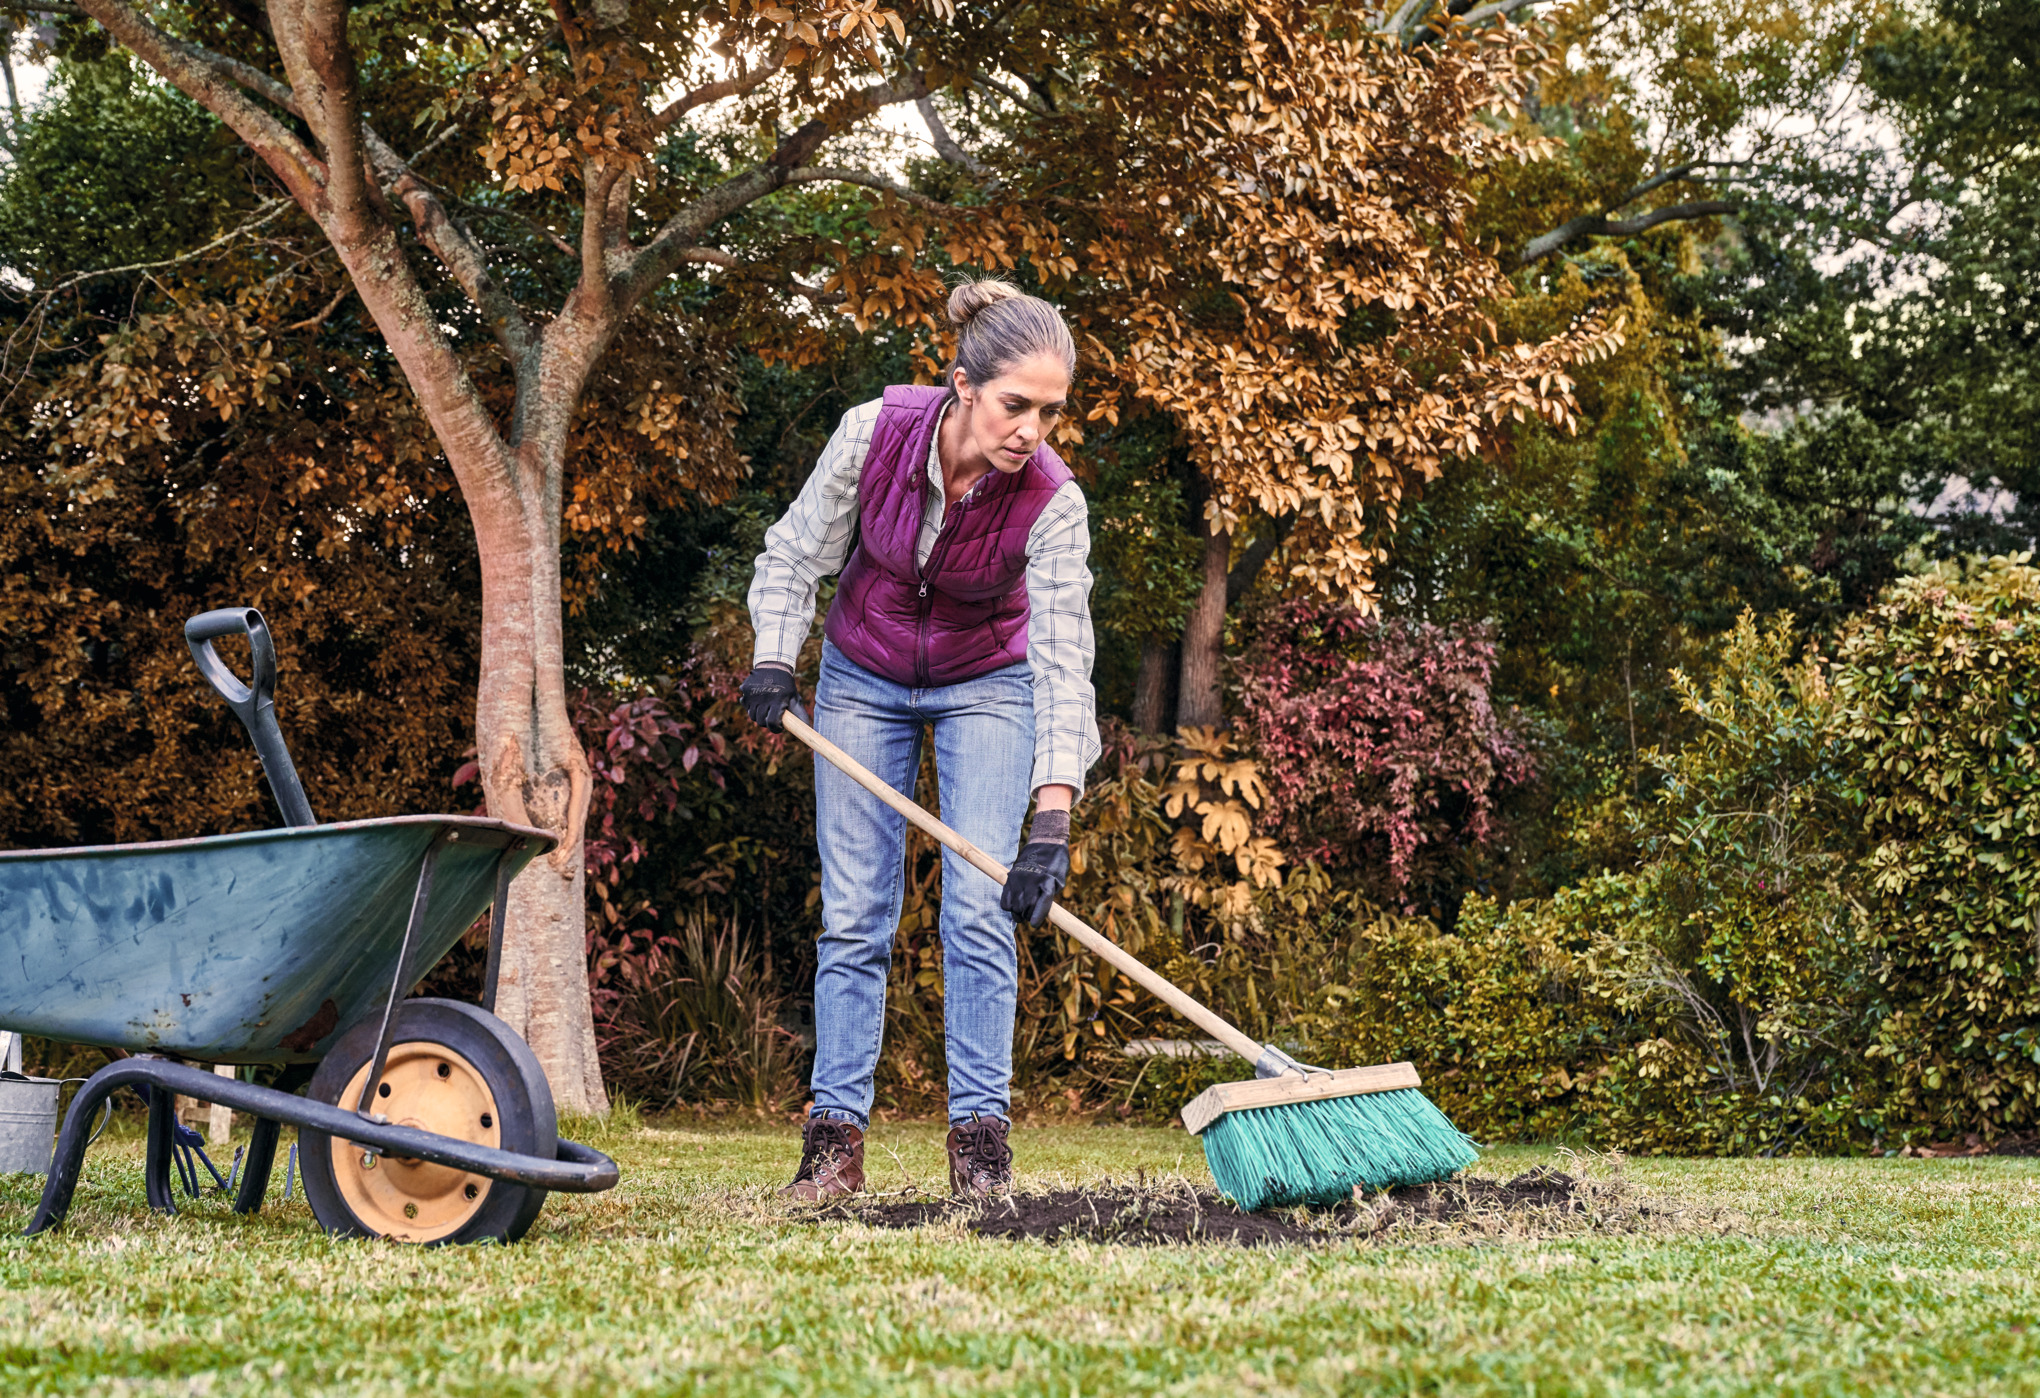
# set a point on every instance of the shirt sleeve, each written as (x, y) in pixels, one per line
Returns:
(1060, 645)
(809, 543)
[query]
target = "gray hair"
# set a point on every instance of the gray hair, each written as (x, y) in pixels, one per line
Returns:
(997, 326)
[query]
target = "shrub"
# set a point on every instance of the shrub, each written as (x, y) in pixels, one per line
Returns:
(1940, 717)
(1565, 1017)
(694, 1016)
(1829, 939)
(1756, 947)
(1711, 1000)
(1489, 1014)
(1382, 746)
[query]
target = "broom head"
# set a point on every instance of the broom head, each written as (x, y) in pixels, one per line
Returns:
(1314, 1138)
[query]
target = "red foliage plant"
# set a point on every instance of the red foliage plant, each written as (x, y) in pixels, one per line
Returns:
(1380, 741)
(642, 749)
(639, 752)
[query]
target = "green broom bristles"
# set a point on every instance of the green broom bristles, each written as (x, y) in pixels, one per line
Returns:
(1316, 1152)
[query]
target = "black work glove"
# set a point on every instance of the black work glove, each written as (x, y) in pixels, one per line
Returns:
(1035, 878)
(767, 693)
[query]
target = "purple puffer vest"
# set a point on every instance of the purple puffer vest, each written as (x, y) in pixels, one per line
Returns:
(965, 615)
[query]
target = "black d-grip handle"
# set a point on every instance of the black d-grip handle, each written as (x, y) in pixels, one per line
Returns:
(253, 704)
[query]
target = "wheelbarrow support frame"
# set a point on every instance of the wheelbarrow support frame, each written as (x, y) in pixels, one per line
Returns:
(578, 1169)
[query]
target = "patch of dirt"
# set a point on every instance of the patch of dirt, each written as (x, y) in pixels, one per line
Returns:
(1145, 1214)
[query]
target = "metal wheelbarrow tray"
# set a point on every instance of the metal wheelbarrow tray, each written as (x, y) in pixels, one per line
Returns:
(423, 1120)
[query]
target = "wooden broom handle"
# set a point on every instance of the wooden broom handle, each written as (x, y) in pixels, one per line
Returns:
(1062, 917)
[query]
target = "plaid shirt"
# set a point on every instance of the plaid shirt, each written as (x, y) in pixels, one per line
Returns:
(812, 541)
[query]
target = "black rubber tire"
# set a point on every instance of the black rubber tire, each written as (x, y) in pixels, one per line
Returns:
(527, 1121)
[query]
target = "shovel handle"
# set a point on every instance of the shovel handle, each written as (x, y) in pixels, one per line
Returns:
(1092, 939)
(253, 703)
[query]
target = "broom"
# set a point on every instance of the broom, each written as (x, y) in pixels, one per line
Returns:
(1294, 1135)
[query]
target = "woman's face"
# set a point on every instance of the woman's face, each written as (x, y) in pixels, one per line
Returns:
(1008, 417)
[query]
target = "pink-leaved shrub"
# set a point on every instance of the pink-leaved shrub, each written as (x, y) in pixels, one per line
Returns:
(1381, 743)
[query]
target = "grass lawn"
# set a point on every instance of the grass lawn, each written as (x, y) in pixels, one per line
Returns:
(1795, 1276)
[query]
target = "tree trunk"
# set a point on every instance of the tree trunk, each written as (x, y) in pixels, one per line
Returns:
(535, 773)
(532, 767)
(1199, 699)
(1153, 691)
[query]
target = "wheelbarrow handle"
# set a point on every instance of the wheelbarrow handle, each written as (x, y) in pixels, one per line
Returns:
(254, 703)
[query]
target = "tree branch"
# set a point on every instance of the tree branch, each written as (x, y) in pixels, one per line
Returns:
(1658, 181)
(1463, 12)
(455, 248)
(603, 221)
(1018, 99)
(823, 174)
(716, 91)
(319, 61)
(487, 211)
(681, 230)
(1254, 557)
(207, 78)
(314, 322)
(851, 109)
(1496, 9)
(1601, 226)
(684, 229)
(729, 262)
(713, 257)
(1407, 11)
(260, 83)
(946, 146)
(265, 213)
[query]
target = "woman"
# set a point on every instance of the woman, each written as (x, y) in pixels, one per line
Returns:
(965, 604)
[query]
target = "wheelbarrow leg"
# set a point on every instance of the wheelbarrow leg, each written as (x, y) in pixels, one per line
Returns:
(72, 1141)
(68, 1161)
(419, 900)
(160, 1154)
(261, 1158)
(499, 909)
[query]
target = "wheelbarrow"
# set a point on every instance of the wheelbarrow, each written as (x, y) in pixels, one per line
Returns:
(421, 1120)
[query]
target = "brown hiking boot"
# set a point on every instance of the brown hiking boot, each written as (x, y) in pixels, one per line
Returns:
(980, 1161)
(831, 1161)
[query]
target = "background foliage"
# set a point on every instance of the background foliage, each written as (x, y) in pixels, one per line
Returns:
(1674, 796)
(1935, 694)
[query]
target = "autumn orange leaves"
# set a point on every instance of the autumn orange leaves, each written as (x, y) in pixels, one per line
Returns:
(1259, 220)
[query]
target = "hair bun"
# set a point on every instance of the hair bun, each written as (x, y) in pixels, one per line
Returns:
(971, 297)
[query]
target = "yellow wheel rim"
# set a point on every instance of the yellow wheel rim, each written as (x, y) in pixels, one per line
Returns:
(432, 1088)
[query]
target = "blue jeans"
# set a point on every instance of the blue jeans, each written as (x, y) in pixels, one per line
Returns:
(984, 758)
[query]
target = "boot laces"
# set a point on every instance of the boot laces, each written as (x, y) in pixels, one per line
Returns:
(984, 1146)
(826, 1141)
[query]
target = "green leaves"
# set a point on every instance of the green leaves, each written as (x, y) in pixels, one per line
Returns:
(1933, 694)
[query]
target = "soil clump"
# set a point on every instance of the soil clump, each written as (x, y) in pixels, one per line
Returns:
(1146, 1214)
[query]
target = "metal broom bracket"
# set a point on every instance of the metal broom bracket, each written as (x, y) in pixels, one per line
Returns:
(1273, 1063)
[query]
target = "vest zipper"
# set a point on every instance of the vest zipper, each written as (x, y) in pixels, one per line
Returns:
(923, 668)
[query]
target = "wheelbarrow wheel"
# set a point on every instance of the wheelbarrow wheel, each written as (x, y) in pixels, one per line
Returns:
(455, 1070)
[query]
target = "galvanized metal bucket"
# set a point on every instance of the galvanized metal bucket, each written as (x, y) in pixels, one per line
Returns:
(28, 1123)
